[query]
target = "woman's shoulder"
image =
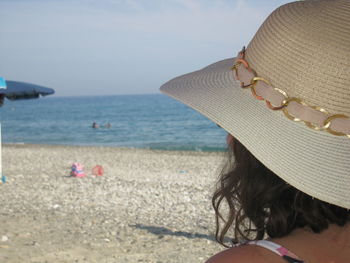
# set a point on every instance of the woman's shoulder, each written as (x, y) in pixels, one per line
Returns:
(244, 254)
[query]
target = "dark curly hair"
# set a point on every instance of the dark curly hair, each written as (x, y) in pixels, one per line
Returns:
(261, 204)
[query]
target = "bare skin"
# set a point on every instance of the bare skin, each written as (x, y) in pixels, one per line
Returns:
(330, 246)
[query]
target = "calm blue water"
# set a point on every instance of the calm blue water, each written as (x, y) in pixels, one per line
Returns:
(141, 121)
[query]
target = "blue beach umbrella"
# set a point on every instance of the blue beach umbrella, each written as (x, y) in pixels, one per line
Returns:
(15, 90)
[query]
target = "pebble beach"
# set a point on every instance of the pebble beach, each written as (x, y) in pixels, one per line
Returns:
(149, 206)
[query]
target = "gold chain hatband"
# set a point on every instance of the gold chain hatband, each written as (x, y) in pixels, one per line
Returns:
(338, 124)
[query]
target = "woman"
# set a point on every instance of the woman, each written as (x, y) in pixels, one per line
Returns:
(287, 185)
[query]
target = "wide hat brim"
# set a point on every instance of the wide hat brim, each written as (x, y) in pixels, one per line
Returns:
(315, 162)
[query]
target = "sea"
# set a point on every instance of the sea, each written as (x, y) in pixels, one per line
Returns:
(152, 121)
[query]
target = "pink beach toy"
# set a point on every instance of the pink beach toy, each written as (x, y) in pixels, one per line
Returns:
(97, 170)
(77, 170)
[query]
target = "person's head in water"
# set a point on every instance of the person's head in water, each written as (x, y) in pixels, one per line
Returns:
(285, 98)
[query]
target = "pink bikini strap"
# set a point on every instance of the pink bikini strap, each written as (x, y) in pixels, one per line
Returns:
(277, 249)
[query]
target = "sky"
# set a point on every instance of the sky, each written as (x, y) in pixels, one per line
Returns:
(112, 47)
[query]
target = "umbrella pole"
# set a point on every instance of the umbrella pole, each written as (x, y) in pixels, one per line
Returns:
(1, 178)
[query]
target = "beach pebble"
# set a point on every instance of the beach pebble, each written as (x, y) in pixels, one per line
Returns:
(4, 246)
(4, 238)
(35, 243)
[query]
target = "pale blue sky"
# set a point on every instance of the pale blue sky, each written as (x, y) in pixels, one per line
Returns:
(90, 47)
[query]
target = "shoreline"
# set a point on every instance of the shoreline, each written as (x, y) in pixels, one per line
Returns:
(149, 206)
(222, 150)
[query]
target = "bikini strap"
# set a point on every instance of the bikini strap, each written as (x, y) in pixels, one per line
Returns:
(277, 249)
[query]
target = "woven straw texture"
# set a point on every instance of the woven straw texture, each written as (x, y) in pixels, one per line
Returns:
(304, 49)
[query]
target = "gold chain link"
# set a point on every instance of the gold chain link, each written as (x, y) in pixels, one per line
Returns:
(287, 100)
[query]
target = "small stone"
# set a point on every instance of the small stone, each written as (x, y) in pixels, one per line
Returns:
(35, 243)
(107, 240)
(4, 246)
(55, 206)
(4, 238)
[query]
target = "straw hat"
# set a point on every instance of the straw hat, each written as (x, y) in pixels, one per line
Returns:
(286, 97)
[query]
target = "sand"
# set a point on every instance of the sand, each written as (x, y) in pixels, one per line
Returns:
(149, 206)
